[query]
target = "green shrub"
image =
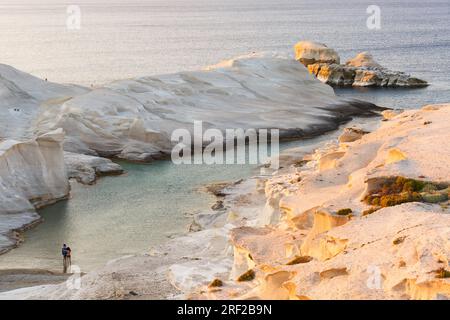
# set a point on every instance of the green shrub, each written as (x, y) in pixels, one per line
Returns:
(434, 197)
(401, 190)
(429, 187)
(344, 212)
(215, 283)
(247, 276)
(370, 211)
(443, 274)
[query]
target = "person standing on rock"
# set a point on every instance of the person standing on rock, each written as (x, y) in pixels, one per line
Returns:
(66, 253)
(69, 256)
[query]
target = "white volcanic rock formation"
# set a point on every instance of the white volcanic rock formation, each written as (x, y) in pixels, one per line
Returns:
(398, 252)
(32, 174)
(327, 241)
(361, 71)
(86, 169)
(21, 96)
(305, 233)
(134, 119)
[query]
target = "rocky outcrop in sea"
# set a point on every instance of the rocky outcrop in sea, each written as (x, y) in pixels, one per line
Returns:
(361, 71)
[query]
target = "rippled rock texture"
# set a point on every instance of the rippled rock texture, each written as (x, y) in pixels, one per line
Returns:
(134, 119)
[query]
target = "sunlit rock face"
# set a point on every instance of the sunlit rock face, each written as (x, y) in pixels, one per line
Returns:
(32, 174)
(332, 240)
(361, 71)
(363, 60)
(308, 52)
(396, 253)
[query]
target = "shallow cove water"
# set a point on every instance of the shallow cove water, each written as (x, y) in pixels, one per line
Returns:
(127, 214)
(120, 215)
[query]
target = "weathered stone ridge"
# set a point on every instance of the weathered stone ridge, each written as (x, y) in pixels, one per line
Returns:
(134, 119)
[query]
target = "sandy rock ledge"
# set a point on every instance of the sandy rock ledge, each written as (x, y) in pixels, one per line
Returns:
(324, 239)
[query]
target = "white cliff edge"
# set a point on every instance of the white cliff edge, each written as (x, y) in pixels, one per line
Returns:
(32, 174)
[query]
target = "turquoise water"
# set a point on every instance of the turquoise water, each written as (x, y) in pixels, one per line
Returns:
(120, 215)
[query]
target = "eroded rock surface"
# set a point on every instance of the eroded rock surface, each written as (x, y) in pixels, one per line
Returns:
(86, 169)
(322, 242)
(21, 97)
(134, 119)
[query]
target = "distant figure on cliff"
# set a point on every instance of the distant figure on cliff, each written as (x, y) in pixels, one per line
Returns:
(67, 254)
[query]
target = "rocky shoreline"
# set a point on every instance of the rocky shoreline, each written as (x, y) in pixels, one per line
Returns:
(19, 278)
(324, 238)
(167, 276)
(309, 231)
